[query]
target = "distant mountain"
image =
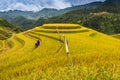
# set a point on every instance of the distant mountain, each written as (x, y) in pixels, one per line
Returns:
(7, 28)
(89, 5)
(46, 12)
(116, 2)
(104, 18)
(10, 15)
(26, 19)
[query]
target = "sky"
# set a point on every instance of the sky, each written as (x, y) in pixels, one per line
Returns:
(36, 5)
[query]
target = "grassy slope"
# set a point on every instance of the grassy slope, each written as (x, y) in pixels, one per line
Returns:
(95, 56)
(6, 29)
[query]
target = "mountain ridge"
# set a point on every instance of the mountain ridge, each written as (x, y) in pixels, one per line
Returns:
(116, 2)
(107, 16)
(46, 12)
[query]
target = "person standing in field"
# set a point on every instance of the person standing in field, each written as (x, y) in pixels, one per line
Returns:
(37, 43)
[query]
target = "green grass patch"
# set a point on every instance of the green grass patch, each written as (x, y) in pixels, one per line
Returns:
(10, 43)
(2, 45)
(20, 40)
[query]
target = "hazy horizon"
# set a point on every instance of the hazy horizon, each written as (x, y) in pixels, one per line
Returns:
(36, 5)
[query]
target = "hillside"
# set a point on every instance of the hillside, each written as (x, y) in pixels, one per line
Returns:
(80, 14)
(116, 2)
(29, 17)
(23, 22)
(104, 18)
(92, 55)
(46, 12)
(89, 5)
(7, 28)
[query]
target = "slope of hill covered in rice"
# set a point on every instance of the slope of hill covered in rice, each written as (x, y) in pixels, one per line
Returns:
(116, 36)
(92, 55)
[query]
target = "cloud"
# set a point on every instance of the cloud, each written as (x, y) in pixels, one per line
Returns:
(58, 4)
(36, 5)
(23, 7)
(32, 5)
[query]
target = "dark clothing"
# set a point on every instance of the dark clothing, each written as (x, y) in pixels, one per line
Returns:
(37, 43)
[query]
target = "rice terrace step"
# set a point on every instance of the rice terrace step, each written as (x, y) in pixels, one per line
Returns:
(88, 50)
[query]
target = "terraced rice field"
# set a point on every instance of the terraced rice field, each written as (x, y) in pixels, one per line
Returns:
(116, 36)
(95, 56)
(61, 26)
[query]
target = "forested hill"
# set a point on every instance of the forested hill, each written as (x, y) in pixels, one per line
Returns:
(26, 19)
(46, 12)
(104, 18)
(116, 2)
(6, 29)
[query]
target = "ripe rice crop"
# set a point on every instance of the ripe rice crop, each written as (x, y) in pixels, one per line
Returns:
(95, 56)
(78, 30)
(61, 26)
